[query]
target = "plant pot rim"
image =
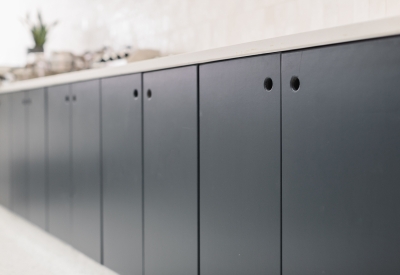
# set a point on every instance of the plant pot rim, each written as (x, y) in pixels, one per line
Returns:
(36, 50)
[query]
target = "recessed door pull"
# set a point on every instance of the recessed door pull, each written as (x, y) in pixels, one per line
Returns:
(268, 84)
(295, 83)
(66, 98)
(74, 98)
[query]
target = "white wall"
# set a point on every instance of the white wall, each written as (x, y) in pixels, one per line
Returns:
(175, 26)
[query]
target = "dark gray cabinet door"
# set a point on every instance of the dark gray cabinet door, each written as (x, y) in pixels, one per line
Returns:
(86, 208)
(5, 179)
(170, 172)
(240, 166)
(59, 162)
(341, 159)
(122, 173)
(36, 157)
(19, 188)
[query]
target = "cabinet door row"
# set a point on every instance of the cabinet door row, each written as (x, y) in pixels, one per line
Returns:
(281, 163)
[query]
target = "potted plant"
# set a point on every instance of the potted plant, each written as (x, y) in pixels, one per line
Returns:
(37, 64)
(39, 32)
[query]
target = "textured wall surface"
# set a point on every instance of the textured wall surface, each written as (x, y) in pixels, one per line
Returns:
(176, 26)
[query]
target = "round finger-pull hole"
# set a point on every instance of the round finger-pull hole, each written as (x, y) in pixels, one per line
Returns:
(149, 94)
(268, 84)
(135, 93)
(295, 83)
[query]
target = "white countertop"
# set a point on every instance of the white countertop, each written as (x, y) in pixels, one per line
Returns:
(360, 31)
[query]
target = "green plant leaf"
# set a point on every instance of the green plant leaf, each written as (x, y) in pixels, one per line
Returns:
(39, 31)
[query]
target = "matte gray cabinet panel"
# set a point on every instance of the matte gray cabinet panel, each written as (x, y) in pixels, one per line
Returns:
(59, 162)
(86, 208)
(122, 173)
(341, 159)
(5, 179)
(28, 163)
(170, 172)
(36, 158)
(240, 167)
(19, 188)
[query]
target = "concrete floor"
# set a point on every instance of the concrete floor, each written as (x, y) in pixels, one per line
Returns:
(26, 249)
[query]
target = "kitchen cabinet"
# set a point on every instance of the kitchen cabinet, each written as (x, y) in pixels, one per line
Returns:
(18, 132)
(28, 159)
(85, 165)
(5, 179)
(341, 159)
(36, 156)
(170, 171)
(121, 99)
(240, 166)
(59, 162)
